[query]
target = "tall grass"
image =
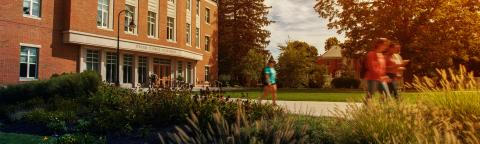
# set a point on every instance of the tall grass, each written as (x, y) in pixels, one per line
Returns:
(447, 110)
(242, 130)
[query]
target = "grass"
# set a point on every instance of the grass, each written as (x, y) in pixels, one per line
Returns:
(308, 95)
(13, 138)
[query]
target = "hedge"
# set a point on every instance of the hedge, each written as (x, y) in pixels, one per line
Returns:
(343, 82)
(68, 85)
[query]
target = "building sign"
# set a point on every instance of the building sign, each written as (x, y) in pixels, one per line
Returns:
(109, 42)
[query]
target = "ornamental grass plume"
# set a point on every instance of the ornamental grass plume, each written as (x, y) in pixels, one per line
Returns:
(242, 130)
(446, 110)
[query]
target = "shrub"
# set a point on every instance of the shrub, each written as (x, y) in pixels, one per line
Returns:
(345, 82)
(54, 120)
(80, 139)
(70, 85)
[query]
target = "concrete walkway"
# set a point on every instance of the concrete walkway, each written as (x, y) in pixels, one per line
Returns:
(312, 108)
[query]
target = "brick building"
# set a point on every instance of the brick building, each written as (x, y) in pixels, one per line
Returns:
(334, 61)
(171, 39)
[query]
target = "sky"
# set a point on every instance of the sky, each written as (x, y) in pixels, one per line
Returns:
(297, 20)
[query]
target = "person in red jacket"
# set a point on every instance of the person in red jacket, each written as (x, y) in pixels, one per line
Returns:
(376, 69)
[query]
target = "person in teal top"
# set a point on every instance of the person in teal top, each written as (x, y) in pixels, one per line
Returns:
(270, 81)
(271, 75)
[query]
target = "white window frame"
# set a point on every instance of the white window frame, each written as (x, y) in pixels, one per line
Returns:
(189, 5)
(171, 29)
(207, 43)
(197, 37)
(207, 15)
(28, 62)
(207, 73)
(180, 70)
(142, 64)
(129, 16)
(188, 34)
(152, 24)
(197, 7)
(105, 14)
(90, 59)
(31, 7)
(111, 59)
(128, 61)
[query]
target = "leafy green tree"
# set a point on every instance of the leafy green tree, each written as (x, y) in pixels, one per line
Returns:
(252, 65)
(316, 76)
(330, 42)
(242, 28)
(295, 64)
(433, 33)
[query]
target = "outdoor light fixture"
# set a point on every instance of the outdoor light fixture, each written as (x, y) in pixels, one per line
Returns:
(130, 25)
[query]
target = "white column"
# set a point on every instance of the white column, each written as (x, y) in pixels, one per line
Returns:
(150, 65)
(135, 71)
(120, 72)
(83, 55)
(103, 64)
(195, 73)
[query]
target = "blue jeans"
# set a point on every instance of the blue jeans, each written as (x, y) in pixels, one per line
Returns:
(374, 86)
(392, 85)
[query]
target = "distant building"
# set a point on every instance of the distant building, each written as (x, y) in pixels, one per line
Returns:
(334, 61)
(173, 39)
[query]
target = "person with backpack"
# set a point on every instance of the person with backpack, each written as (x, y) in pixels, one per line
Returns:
(270, 81)
(395, 68)
(375, 74)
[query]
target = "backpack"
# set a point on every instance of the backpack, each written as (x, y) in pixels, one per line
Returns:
(264, 81)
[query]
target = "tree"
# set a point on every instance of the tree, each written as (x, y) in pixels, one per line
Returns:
(317, 73)
(295, 64)
(252, 65)
(330, 42)
(433, 33)
(242, 28)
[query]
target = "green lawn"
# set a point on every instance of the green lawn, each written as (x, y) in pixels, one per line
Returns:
(13, 138)
(307, 95)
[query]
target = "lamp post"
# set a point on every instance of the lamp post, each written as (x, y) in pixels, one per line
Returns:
(130, 25)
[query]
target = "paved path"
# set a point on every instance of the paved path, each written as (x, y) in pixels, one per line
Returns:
(313, 108)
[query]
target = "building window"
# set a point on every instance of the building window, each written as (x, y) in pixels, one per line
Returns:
(207, 15)
(28, 62)
(93, 60)
(129, 15)
(171, 28)
(103, 13)
(207, 43)
(127, 68)
(32, 7)
(152, 24)
(197, 7)
(197, 37)
(207, 73)
(189, 5)
(111, 67)
(188, 34)
(142, 70)
(180, 70)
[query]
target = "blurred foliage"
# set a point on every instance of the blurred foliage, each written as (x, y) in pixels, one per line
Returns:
(433, 33)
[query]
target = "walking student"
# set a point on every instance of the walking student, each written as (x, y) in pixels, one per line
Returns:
(376, 66)
(270, 81)
(395, 68)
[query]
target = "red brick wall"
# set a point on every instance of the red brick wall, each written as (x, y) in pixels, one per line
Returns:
(54, 56)
(80, 15)
(83, 18)
(333, 65)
